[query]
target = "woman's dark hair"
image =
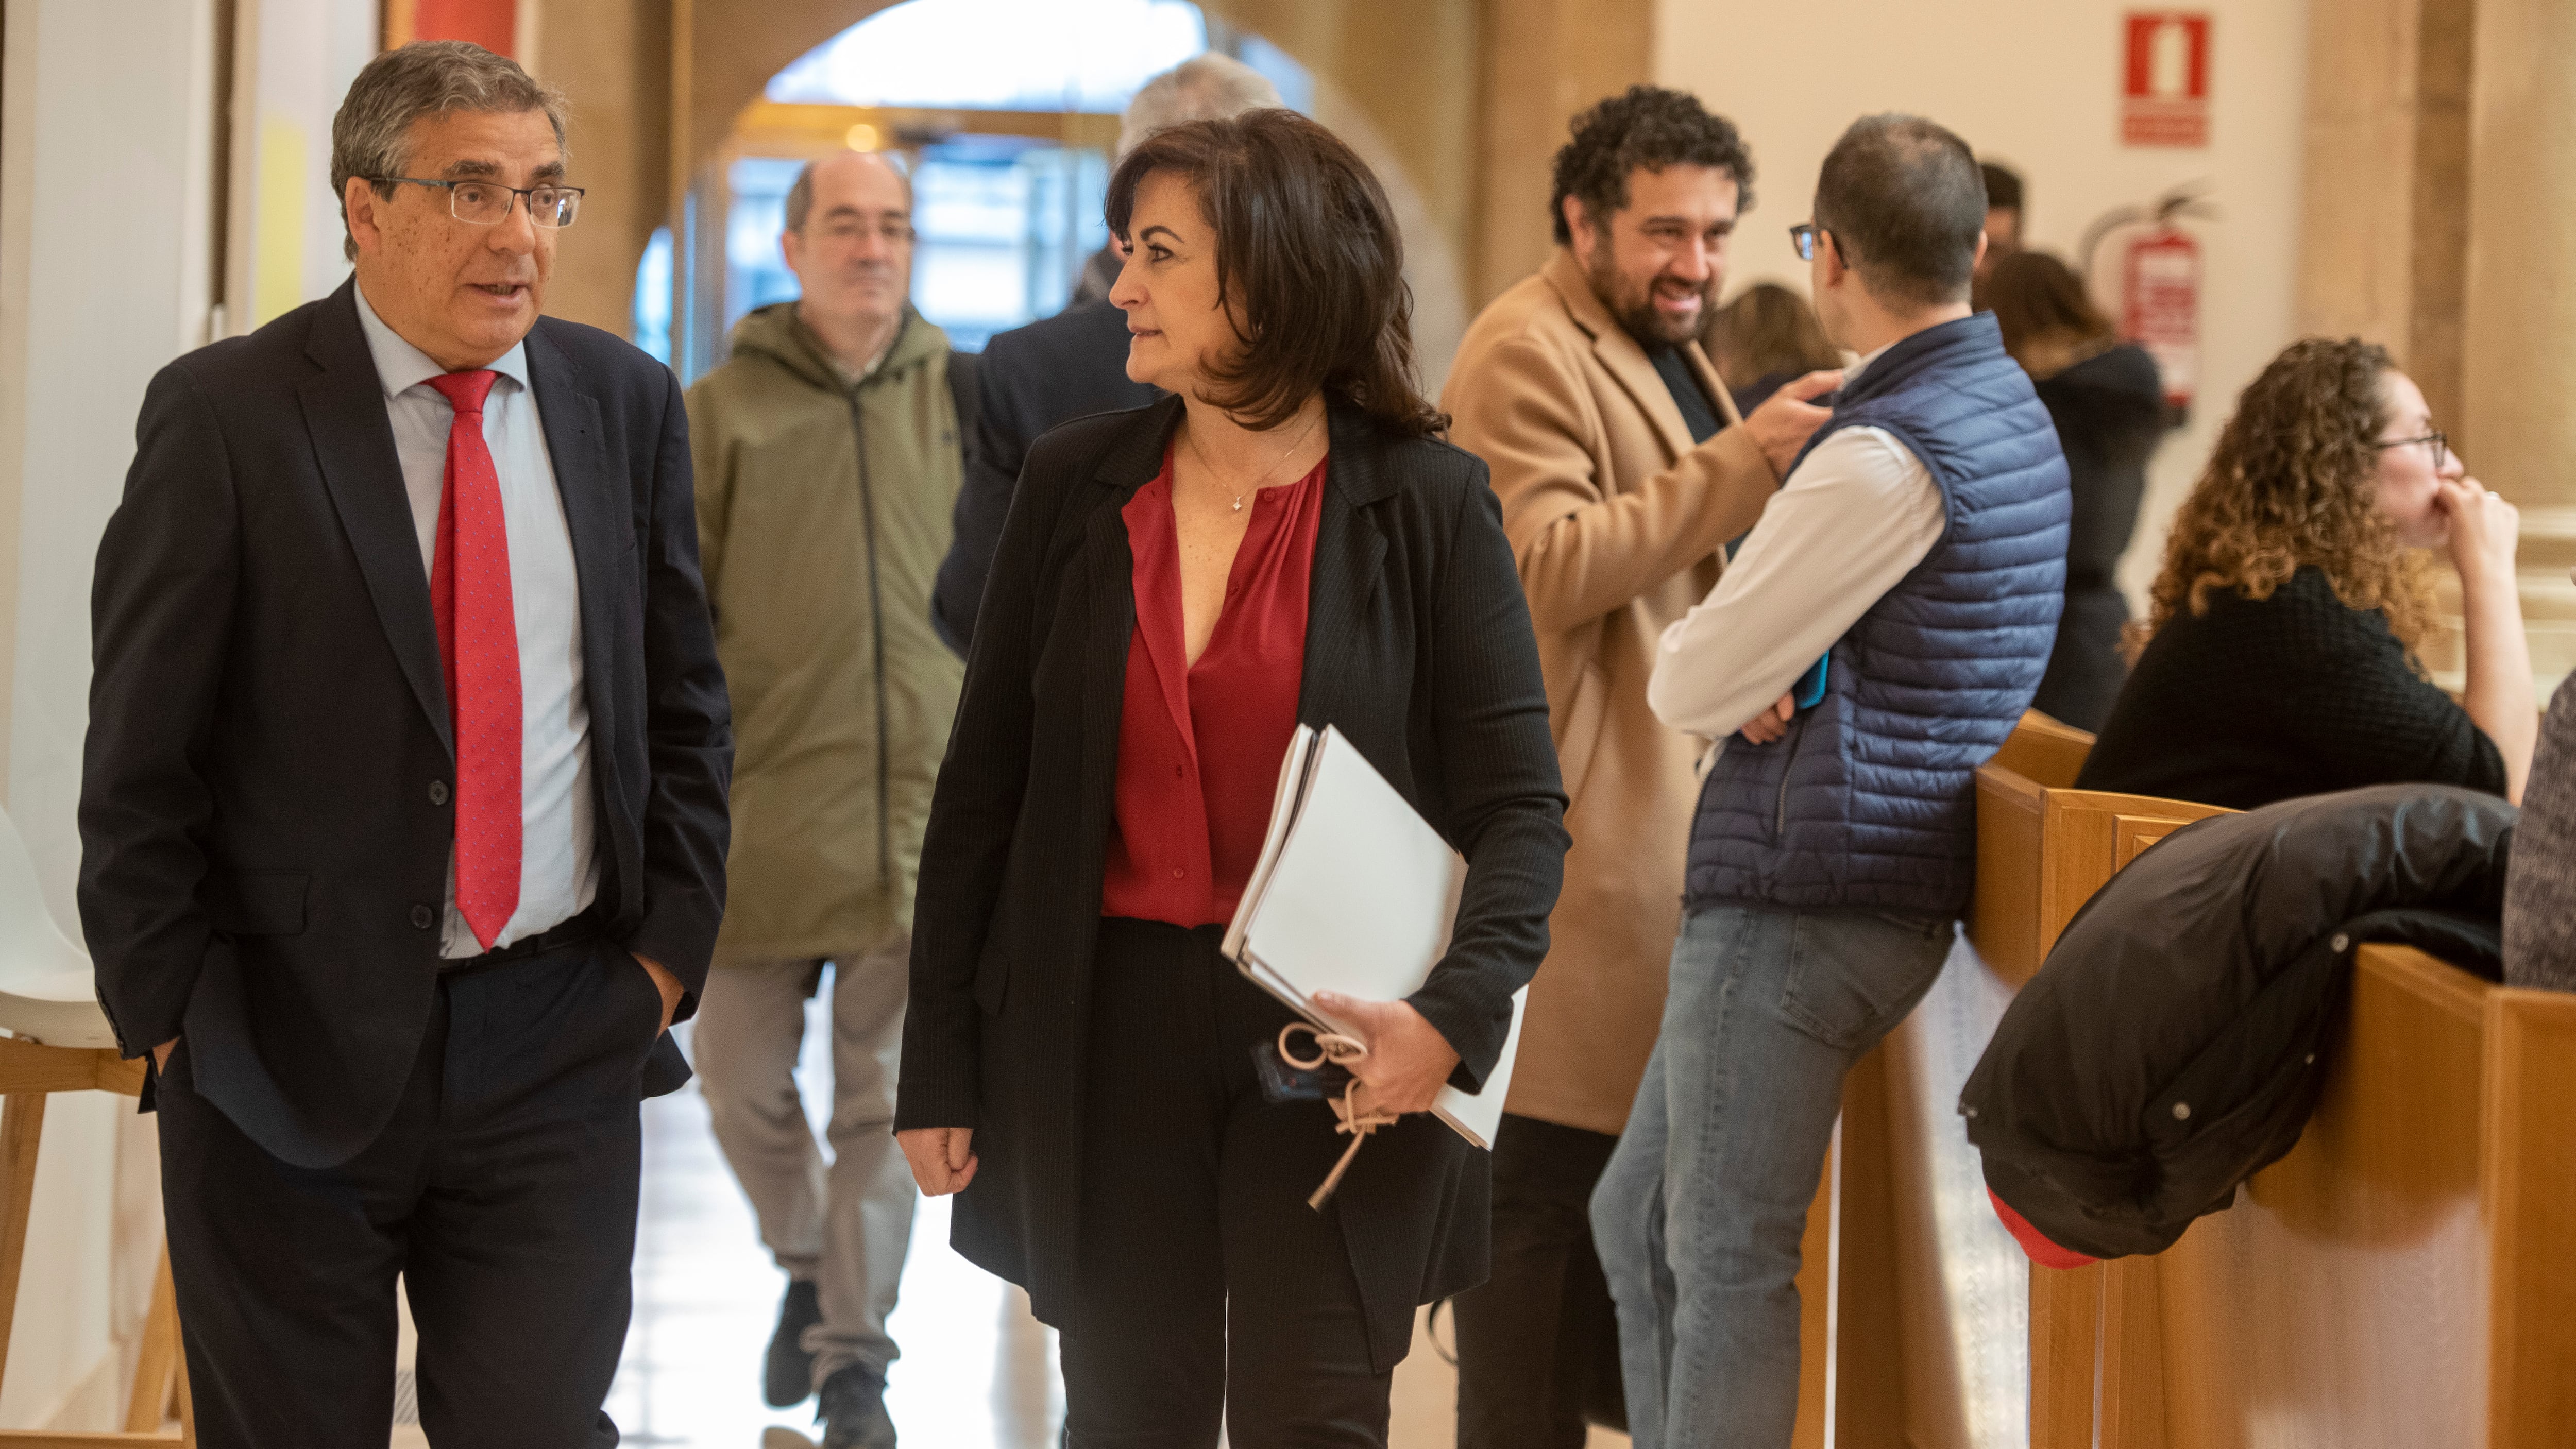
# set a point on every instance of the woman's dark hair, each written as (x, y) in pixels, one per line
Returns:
(2038, 299)
(1308, 260)
(2293, 482)
(1646, 126)
(2003, 187)
(1765, 331)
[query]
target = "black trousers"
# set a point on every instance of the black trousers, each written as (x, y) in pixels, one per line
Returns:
(503, 1191)
(1539, 1341)
(1206, 1283)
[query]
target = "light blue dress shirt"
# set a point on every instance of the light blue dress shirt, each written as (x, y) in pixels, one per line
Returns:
(558, 860)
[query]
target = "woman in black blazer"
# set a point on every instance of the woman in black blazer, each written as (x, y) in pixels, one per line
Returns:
(1083, 1077)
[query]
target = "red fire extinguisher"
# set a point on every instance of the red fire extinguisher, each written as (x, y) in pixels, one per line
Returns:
(2160, 308)
(2158, 280)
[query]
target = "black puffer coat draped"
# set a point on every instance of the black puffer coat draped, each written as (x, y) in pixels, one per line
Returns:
(2176, 1038)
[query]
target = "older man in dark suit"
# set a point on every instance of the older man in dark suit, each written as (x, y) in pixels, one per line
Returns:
(404, 813)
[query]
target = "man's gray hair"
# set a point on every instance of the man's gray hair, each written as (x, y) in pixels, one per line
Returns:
(371, 135)
(1210, 86)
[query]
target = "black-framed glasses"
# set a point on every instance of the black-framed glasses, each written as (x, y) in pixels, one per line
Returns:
(2441, 445)
(1803, 237)
(488, 203)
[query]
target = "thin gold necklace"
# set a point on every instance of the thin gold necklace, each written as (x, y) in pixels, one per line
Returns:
(1264, 476)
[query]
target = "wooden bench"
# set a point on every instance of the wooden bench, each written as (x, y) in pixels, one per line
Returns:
(2401, 1278)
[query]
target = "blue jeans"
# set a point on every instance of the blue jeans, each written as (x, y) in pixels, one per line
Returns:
(1699, 1214)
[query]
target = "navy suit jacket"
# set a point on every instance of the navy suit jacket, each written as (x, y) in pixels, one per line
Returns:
(1052, 371)
(266, 800)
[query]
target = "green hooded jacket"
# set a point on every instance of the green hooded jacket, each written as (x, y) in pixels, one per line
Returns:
(823, 514)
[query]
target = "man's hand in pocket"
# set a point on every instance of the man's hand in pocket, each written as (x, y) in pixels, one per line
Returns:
(663, 982)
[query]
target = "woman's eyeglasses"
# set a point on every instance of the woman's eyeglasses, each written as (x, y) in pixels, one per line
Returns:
(2441, 446)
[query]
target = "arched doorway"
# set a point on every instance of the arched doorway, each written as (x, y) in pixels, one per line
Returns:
(1006, 113)
(1003, 112)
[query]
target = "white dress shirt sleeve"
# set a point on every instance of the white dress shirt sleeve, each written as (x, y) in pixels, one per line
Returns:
(1853, 519)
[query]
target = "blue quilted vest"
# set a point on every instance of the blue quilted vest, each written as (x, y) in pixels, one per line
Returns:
(1869, 802)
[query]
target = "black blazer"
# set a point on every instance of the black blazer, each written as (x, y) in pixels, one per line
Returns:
(1418, 646)
(265, 817)
(1067, 366)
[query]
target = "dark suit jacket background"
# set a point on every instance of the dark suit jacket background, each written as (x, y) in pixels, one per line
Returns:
(1418, 647)
(264, 856)
(1052, 371)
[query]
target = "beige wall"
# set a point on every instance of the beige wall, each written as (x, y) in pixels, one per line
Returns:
(2035, 84)
(106, 220)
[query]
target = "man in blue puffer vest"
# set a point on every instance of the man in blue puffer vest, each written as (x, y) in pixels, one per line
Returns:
(1876, 638)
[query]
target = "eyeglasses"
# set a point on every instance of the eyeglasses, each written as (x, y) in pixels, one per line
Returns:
(892, 232)
(1803, 237)
(488, 203)
(2441, 445)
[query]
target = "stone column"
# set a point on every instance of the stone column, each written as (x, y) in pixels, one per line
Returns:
(612, 60)
(2517, 422)
(1541, 61)
(2384, 215)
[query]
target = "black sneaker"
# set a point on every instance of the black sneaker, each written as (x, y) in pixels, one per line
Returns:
(853, 1413)
(789, 1376)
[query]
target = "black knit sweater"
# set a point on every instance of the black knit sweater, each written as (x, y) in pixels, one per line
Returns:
(2293, 695)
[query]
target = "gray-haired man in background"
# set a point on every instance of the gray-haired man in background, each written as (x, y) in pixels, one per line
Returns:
(827, 463)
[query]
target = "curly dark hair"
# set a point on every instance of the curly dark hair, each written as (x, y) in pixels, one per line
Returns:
(2293, 482)
(1647, 126)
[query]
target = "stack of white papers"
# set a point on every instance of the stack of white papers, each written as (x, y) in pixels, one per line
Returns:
(1355, 893)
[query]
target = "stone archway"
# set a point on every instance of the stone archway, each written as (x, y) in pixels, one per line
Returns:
(1464, 99)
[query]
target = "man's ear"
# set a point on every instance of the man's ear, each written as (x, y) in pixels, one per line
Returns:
(791, 245)
(359, 198)
(1578, 226)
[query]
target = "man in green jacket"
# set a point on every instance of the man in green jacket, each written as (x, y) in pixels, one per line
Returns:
(827, 465)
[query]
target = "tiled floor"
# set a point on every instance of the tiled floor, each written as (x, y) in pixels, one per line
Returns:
(977, 1371)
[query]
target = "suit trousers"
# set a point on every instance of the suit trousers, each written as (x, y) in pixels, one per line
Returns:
(503, 1191)
(1538, 1343)
(1207, 1286)
(846, 1228)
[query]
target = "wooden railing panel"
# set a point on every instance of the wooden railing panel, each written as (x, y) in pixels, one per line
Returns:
(1869, 1388)
(2340, 1300)
(2530, 1189)
(1963, 1284)
(2088, 836)
(2065, 1354)
(2003, 915)
(2045, 752)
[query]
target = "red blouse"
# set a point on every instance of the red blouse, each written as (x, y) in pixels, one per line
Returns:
(1199, 745)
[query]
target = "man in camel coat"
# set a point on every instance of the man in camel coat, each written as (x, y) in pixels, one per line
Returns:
(1623, 471)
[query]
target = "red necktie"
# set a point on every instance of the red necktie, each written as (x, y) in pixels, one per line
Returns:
(478, 643)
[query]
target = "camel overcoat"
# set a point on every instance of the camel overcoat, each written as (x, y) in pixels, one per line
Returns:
(1618, 525)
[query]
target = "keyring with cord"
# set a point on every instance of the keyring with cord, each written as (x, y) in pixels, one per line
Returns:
(1357, 1120)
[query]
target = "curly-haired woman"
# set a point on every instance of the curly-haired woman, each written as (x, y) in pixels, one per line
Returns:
(2280, 646)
